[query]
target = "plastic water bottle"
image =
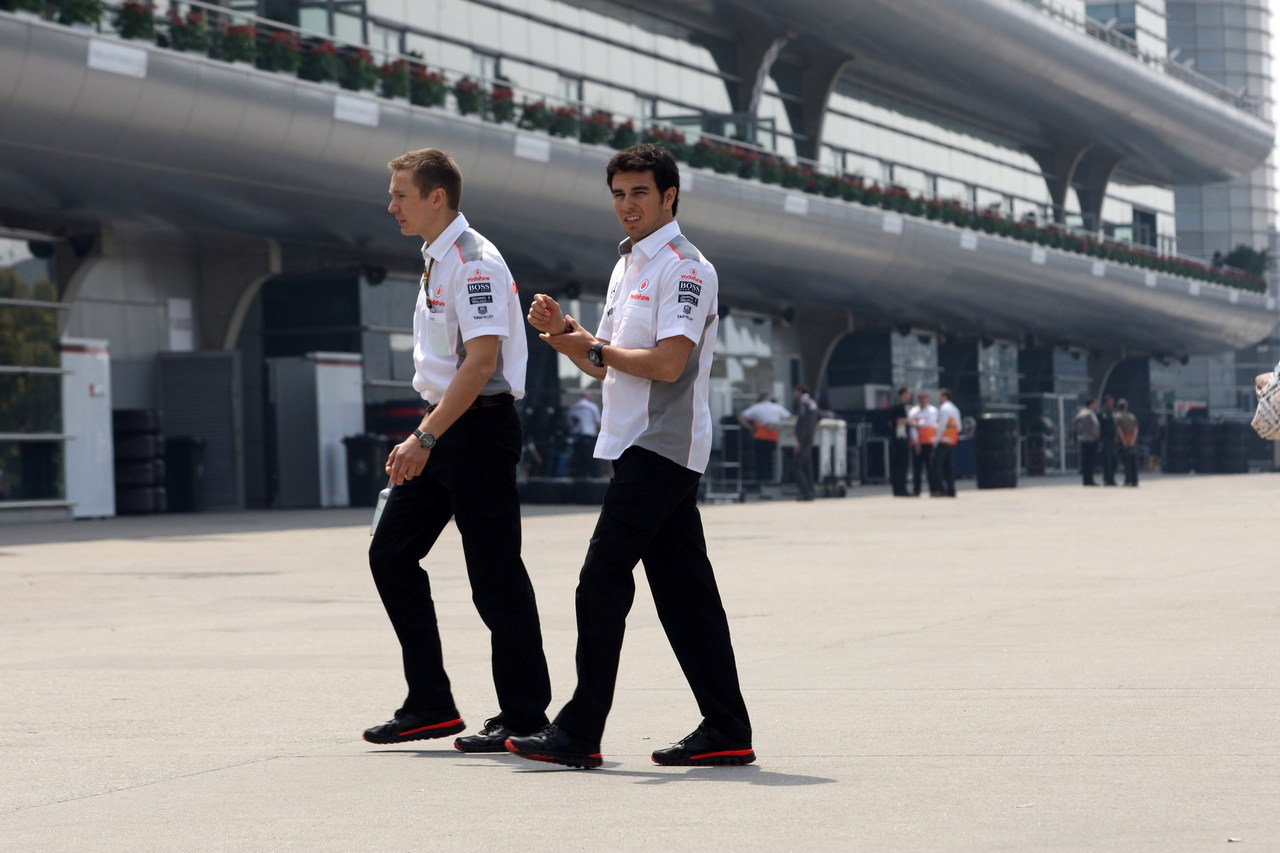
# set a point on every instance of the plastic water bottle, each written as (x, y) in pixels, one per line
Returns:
(377, 510)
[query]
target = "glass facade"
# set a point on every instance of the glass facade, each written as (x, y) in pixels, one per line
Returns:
(30, 376)
(1228, 40)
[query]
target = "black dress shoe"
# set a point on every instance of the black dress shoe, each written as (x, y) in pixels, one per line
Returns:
(705, 748)
(492, 738)
(557, 746)
(407, 726)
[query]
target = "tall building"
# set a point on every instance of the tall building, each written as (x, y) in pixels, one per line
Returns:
(1014, 198)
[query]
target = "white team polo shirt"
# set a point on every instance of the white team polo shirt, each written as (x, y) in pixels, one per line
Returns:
(467, 292)
(660, 288)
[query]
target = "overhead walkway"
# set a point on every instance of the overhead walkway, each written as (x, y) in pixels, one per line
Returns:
(192, 144)
(1008, 71)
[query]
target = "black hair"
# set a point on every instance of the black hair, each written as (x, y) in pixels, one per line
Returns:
(646, 157)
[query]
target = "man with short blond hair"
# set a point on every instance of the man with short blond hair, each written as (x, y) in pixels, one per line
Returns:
(469, 357)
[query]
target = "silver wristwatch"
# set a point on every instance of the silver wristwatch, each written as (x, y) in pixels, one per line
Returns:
(426, 439)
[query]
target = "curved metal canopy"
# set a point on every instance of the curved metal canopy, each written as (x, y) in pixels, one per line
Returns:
(1003, 71)
(199, 145)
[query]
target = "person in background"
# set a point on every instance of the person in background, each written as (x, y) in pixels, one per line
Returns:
(806, 431)
(899, 444)
(761, 420)
(584, 426)
(923, 418)
(1127, 439)
(1086, 430)
(1107, 439)
(944, 444)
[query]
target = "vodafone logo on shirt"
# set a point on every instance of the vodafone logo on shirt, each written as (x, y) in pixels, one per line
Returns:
(640, 295)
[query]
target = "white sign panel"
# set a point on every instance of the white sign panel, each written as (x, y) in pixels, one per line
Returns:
(117, 58)
(1099, 269)
(1039, 256)
(969, 241)
(797, 204)
(893, 223)
(363, 111)
(1149, 279)
(533, 148)
(182, 336)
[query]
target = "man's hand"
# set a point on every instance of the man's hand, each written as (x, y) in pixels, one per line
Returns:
(574, 343)
(546, 316)
(1261, 381)
(406, 461)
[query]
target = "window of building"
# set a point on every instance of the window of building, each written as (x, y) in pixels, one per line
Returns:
(30, 373)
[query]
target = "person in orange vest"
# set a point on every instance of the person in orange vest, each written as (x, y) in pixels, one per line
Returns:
(944, 444)
(1127, 437)
(761, 420)
(923, 418)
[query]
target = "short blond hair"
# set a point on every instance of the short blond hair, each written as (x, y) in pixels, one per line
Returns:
(432, 168)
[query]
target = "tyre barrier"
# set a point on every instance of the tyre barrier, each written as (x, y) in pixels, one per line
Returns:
(996, 452)
(139, 462)
(1177, 448)
(1206, 447)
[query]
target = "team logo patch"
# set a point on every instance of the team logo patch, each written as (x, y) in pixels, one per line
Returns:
(479, 288)
(644, 285)
(483, 309)
(688, 309)
(687, 298)
(480, 300)
(690, 287)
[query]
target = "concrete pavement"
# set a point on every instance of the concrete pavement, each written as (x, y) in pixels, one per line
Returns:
(1046, 668)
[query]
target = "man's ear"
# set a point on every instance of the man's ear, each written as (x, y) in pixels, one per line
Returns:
(669, 197)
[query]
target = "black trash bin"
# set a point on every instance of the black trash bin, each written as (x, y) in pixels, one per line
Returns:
(996, 459)
(184, 473)
(366, 468)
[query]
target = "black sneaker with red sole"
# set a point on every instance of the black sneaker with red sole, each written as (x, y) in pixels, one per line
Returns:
(705, 747)
(553, 744)
(405, 727)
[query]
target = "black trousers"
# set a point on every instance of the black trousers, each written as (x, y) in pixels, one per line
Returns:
(922, 468)
(470, 478)
(899, 461)
(763, 451)
(1088, 461)
(1108, 451)
(945, 464)
(1129, 456)
(650, 516)
(802, 470)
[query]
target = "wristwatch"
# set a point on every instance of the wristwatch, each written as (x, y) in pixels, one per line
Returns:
(426, 439)
(595, 355)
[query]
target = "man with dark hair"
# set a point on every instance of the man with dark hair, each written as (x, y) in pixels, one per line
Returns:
(1107, 439)
(899, 444)
(944, 444)
(653, 353)
(1085, 427)
(469, 360)
(806, 432)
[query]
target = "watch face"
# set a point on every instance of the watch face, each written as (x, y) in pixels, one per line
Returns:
(596, 356)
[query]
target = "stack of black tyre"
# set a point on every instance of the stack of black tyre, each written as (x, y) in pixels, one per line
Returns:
(139, 462)
(1204, 452)
(996, 457)
(1177, 447)
(1231, 447)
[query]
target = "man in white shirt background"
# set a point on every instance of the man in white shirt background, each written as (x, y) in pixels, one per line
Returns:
(584, 426)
